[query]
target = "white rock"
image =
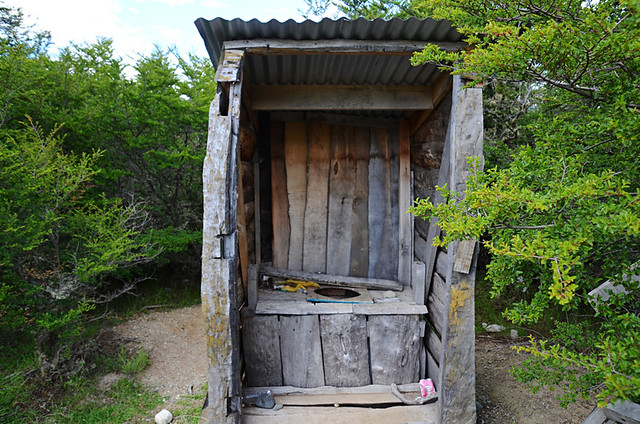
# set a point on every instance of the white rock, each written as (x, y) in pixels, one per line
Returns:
(164, 417)
(494, 328)
(514, 334)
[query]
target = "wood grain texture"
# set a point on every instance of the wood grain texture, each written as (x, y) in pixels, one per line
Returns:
(261, 344)
(457, 364)
(345, 351)
(301, 351)
(424, 414)
(279, 198)
(295, 158)
(435, 304)
(418, 282)
(315, 216)
(383, 246)
(219, 264)
(359, 265)
(342, 177)
(243, 244)
(341, 97)
(332, 280)
(405, 245)
(394, 342)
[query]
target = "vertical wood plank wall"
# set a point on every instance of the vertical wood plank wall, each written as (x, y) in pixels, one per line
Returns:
(335, 193)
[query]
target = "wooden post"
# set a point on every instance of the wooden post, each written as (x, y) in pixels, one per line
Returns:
(219, 254)
(457, 400)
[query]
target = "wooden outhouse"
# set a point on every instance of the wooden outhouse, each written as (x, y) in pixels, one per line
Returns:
(321, 135)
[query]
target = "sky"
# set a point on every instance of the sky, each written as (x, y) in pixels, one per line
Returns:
(137, 25)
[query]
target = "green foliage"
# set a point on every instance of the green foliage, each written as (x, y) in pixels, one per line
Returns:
(133, 364)
(562, 212)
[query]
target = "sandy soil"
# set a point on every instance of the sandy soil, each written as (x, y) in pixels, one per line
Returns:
(176, 343)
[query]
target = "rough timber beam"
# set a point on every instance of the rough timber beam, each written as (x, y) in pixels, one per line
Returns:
(269, 46)
(341, 97)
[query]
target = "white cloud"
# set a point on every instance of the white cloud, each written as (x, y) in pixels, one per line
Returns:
(173, 3)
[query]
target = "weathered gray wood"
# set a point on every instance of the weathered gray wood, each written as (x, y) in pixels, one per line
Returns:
(271, 307)
(435, 304)
(420, 248)
(623, 412)
(424, 414)
(359, 265)
(383, 246)
(330, 118)
(394, 342)
(418, 282)
(596, 417)
(261, 346)
(433, 370)
(229, 69)
(252, 288)
(405, 248)
(345, 351)
(295, 158)
(219, 261)
(442, 262)
(301, 351)
(332, 280)
(333, 391)
(278, 46)
(464, 256)
(243, 246)
(434, 228)
(342, 178)
(341, 97)
(279, 199)
(256, 217)
(433, 343)
(441, 88)
(315, 216)
(457, 365)
(392, 308)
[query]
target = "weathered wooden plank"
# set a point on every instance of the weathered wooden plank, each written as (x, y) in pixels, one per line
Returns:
(597, 417)
(464, 256)
(623, 412)
(433, 371)
(287, 391)
(252, 286)
(341, 188)
(277, 46)
(394, 342)
(392, 308)
(441, 88)
(330, 118)
(315, 216)
(301, 351)
(219, 261)
(295, 158)
(257, 216)
(405, 249)
(345, 351)
(359, 266)
(261, 346)
(457, 365)
(279, 198)
(424, 414)
(434, 228)
(435, 304)
(341, 97)
(418, 282)
(433, 344)
(420, 248)
(332, 280)
(229, 69)
(383, 247)
(442, 262)
(243, 245)
(271, 307)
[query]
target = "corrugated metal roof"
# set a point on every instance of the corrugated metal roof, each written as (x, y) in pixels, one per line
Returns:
(216, 31)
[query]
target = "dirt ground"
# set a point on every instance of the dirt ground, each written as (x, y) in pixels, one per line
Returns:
(176, 344)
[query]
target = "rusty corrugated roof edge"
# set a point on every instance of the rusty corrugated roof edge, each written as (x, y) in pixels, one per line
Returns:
(216, 31)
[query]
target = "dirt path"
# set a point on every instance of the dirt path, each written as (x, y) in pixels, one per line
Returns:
(176, 343)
